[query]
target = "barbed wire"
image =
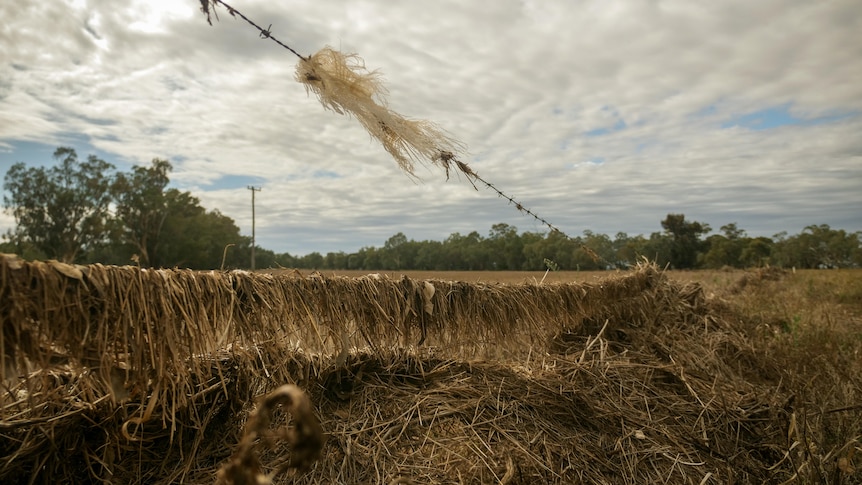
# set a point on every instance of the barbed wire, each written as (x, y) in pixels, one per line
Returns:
(264, 33)
(445, 157)
(474, 177)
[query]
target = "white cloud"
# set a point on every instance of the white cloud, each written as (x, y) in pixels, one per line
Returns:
(540, 91)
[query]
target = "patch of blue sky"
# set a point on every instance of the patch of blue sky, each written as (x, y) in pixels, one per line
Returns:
(778, 116)
(226, 182)
(610, 114)
(41, 154)
(325, 174)
(32, 154)
(618, 126)
(572, 111)
(29, 152)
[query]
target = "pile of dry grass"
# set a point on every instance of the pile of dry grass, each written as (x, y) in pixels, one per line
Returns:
(129, 375)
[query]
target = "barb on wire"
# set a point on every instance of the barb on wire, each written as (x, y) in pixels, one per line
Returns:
(264, 33)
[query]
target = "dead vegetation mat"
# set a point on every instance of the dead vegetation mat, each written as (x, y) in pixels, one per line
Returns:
(124, 375)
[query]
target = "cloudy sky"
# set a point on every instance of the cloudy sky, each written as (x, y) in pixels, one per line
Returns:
(597, 115)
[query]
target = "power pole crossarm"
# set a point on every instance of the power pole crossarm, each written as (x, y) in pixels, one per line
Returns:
(253, 190)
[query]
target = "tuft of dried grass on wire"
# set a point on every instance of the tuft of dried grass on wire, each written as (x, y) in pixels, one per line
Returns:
(343, 84)
(304, 439)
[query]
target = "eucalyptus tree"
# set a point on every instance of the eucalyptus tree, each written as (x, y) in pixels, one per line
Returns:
(61, 211)
(685, 242)
(141, 209)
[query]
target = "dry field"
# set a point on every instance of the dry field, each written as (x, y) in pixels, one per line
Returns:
(712, 281)
(127, 376)
(712, 278)
(508, 277)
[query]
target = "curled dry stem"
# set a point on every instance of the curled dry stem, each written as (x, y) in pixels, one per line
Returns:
(305, 439)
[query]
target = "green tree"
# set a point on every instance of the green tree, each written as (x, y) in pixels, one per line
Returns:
(856, 258)
(720, 253)
(335, 260)
(312, 260)
(285, 260)
(370, 257)
(465, 252)
(756, 252)
(601, 245)
(557, 247)
(167, 227)
(732, 232)
(142, 209)
(394, 256)
(685, 240)
(429, 256)
(192, 237)
(505, 247)
(628, 249)
(726, 249)
(531, 252)
(355, 260)
(264, 258)
(62, 211)
(658, 248)
(821, 246)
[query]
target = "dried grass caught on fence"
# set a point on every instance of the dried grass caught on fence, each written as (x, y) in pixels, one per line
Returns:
(343, 84)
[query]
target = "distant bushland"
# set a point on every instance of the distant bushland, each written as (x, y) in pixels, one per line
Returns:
(83, 211)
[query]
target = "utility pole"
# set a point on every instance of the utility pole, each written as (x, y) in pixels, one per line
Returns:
(253, 190)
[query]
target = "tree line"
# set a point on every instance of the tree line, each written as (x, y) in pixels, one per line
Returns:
(680, 245)
(82, 211)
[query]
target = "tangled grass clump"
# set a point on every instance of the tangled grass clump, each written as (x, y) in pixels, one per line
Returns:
(143, 376)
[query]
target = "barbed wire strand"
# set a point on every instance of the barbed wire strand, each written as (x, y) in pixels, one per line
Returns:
(264, 33)
(474, 177)
(471, 175)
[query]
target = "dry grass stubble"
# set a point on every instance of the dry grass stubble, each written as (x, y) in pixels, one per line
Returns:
(150, 376)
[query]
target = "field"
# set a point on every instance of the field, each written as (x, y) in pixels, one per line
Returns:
(717, 279)
(123, 375)
(507, 277)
